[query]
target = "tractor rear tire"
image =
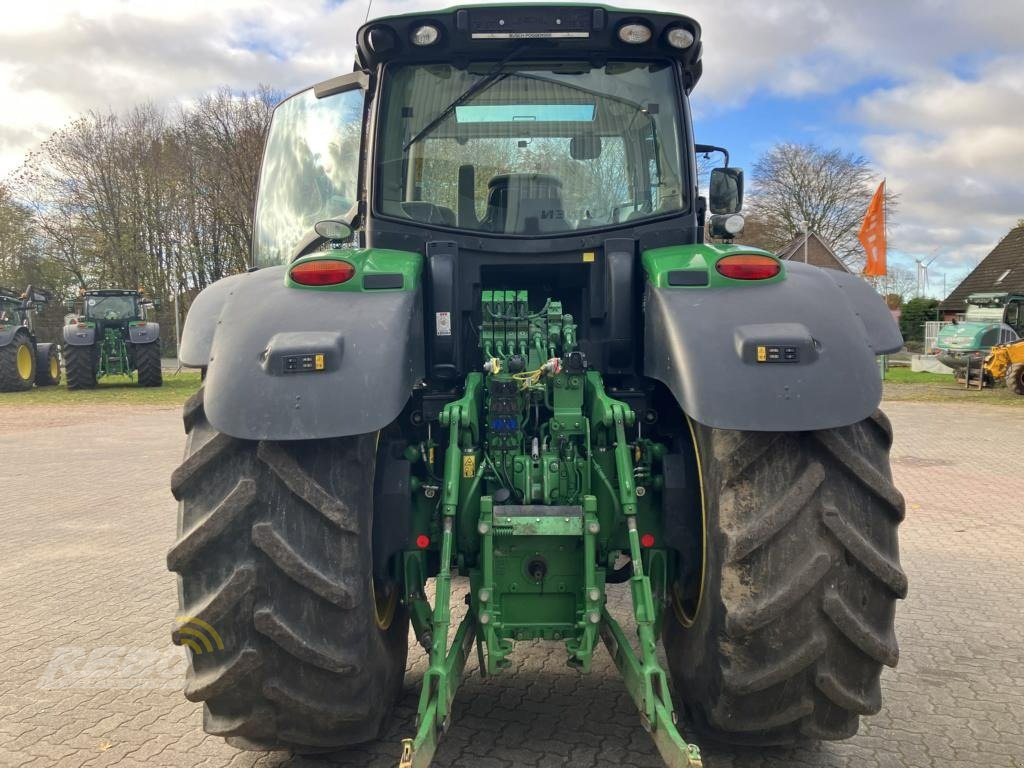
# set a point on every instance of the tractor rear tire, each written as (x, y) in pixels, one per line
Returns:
(801, 576)
(17, 363)
(1015, 378)
(47, 365)
(147, 362)
(274, 554)
(80, 366)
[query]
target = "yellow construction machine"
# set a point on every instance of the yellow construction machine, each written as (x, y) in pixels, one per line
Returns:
(1005, 362)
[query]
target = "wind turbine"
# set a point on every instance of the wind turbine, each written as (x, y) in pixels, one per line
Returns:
(923, 284)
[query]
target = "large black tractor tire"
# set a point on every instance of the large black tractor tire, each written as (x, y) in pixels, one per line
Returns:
(80, 366)
(47, 365)
(801, 574)
(1015, 378)
(17, 363)
(147, 363)
(274, 554)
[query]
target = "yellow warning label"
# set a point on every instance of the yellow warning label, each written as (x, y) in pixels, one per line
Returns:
(468, 465)
(762, 354)
(318, 362)
(589, 256)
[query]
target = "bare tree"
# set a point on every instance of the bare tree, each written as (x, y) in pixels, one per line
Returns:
(900, 282)
(147, 197)
(828, 189)
(15, 238)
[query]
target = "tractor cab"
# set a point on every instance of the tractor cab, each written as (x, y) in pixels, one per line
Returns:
(16, 306)
(1005, 308)
(10, 308)
(491, 127)
(991, 319)
(114, 306)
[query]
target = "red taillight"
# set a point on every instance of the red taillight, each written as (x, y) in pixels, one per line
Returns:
(748, 266)
(647, 541)
(422, 541)
(322, 272)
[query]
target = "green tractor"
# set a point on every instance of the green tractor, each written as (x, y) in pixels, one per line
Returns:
(23, 360)
(484, 343)
(109, 334)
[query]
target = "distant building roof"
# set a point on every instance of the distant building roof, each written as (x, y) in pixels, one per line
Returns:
(818, 252)
(1002, 271)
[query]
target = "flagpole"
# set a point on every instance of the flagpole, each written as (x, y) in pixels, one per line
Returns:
(885, 232)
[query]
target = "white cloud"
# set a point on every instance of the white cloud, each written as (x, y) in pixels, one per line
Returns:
(953, 148)
(111, 54)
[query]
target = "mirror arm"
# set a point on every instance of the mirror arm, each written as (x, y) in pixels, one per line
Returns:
(706, 149)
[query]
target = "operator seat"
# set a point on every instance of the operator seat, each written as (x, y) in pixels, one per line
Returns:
(525, 204)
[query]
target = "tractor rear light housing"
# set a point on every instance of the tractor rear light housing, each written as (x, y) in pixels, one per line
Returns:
(679, 37)
(427, 34)
(321, 272)
(634, 33)
(748, 266)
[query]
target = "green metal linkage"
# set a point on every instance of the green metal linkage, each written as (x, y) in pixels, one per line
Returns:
(444, 674)
(438, 691)
(581, 648)
(661, 724)
(414, 570)
(113, 354)
(645, 678)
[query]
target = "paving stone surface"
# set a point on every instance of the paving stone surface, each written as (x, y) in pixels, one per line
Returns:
(90, 678)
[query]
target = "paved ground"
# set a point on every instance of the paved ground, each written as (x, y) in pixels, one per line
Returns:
(86, 607)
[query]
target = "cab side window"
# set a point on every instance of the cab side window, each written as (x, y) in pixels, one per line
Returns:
(1015, 316)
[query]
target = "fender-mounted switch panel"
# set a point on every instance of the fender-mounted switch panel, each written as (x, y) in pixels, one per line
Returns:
(776, 354)
(303, 352)
(303, 363)
(776, 343)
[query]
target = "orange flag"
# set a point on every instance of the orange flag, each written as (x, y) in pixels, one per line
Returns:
(872, 234)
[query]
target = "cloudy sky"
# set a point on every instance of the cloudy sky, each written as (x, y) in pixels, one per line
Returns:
(931, 91)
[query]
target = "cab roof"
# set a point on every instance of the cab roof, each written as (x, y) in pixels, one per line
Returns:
(112, 292)
(483, 32)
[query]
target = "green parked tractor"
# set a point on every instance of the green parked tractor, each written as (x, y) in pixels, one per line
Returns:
(485, 343)
(109, 334)
(24, 361)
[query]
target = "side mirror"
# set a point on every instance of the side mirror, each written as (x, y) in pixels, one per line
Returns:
(157, 303)
(332, 229)
(726, 190)
(585, 147)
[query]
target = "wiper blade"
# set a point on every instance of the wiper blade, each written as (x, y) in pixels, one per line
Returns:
(482, 84)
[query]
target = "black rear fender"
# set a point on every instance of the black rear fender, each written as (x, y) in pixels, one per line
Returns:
(818, 332)
(293, 364)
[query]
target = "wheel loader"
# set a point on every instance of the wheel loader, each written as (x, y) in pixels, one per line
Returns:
(108, 333)
(1004, 363)
(485, 343)
(24, 361)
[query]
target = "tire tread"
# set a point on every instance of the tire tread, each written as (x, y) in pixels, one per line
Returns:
(804, 567)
